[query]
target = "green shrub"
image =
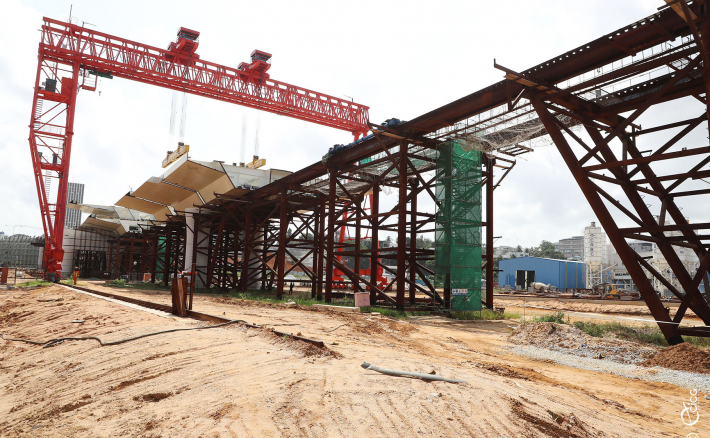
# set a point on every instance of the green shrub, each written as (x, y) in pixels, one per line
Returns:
(558, 318)
(119, 282)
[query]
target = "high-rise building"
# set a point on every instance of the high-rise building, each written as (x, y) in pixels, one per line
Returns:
(75, 195)
(595, 255)
(572, 247)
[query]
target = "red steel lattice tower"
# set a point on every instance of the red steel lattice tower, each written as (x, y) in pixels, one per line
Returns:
(73, 57)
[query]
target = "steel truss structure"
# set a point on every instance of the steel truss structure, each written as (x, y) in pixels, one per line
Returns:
(587, 102)
(661, 59)
(244, 243)
(72, 57)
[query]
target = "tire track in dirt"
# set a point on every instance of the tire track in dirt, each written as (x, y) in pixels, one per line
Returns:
(234, 382)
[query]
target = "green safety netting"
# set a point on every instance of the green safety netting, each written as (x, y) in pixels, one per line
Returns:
(458, 225)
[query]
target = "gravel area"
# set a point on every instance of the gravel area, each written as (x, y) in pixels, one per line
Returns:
(564, 338)
(684, 379)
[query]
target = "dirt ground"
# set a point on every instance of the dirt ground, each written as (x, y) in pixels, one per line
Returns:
(591, 312)
(240, 382)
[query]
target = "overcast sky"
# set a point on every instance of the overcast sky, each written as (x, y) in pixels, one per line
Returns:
(401, 59)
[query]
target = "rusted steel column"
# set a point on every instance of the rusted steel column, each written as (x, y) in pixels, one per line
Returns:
(110, 259)
(316, 236)
(118, 256)
(331, 231)
(130, 259)
(281, 254)
(413, 249)
(320, 251)
(246, 252)
(176, 247)
(490, 164)
(705, 38)
(374, 267)
(627, 255)
(402, 227)
(235, 278)
(215, 252)
(265, 245)
(143, 256)
(168, 256)
(358, 218)
(154, 259)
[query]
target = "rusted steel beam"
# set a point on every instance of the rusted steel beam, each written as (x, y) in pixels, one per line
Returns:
(402, 225)
(348, 272)
(330, 254)
(694, 121)
(281, 255)
(692, 173)
(412, 249)
(374, 254)
(215, 251)
(620, 182)
(627, 255)
(699, 306)
(677, 176)
(650, 158)
(246, 251)
(654, 98)
(490, 162)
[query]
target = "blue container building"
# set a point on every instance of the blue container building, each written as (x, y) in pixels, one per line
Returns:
(522, 271)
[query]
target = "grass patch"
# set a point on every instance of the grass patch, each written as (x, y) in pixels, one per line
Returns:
(143, 286)
(485, 315)
(306, 300)
(266, 297)
(34, 283)
(558, 318)
(398, 314)
(641, 334)
(646, 334)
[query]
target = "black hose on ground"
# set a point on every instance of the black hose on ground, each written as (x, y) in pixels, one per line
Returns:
(56, 341)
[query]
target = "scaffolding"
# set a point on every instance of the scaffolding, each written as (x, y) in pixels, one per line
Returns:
(458, 252)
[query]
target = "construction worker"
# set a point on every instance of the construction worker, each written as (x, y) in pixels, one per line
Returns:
(75, 275)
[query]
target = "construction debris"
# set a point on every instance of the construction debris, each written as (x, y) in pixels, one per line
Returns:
(571, 340)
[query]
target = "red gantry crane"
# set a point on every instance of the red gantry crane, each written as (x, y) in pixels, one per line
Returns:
(72, 57)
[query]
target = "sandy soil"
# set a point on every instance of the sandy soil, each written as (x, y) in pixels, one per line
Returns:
(242, 382)
(627, 314)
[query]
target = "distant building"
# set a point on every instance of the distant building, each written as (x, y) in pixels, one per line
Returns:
(506, 252)
(75, 195)
(595, 255)
(17, 251)
(520, 273)
(499, 251)
(572, 247)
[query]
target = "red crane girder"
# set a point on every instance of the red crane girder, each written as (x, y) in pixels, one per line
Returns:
(140, 62)
(72, 57)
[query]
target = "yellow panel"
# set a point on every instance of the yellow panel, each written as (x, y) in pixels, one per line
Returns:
(162, 193)
(104, 225)
(221, 186)
(256, 164)
(174, 155)
(193, 175)
(157, 210)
